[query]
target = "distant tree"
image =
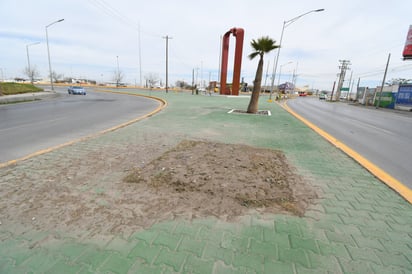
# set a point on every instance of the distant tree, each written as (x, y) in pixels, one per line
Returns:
(183, 85)
(31, 73)
(260, 46)
(152, 79)
(399, 81)
(56, 76)
(118, 77)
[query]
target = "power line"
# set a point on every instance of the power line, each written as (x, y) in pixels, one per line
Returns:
(113, 13)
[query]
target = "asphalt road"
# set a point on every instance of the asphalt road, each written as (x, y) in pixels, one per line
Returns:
(382, 136)
(29, 127)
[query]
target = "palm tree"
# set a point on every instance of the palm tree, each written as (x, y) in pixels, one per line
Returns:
(261, 46)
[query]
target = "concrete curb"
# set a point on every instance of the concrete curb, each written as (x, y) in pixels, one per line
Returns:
(27, 97)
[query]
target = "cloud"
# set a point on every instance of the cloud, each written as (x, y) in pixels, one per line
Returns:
(95, 32)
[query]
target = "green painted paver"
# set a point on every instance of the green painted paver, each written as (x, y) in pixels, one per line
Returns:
(116, 263)
(357, 225)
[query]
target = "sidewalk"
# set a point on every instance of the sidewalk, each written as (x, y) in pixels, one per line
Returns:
(358, 224)
(26, 97)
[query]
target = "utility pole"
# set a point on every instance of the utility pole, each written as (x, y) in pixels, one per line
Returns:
(383, 80)
(118, 73)
(140, 57)
(344, 65)
(357, 90)
(193, 81)
(167, 61)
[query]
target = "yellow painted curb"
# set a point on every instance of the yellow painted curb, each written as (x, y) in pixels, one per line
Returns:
(162, 105)
(403, 190)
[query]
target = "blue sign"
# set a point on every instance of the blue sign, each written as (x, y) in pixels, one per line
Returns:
(404, 96)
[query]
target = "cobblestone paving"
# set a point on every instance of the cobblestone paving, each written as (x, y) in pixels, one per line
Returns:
(358, 225)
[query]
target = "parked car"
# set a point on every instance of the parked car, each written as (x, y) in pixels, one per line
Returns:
(323, 96)
(76, 90)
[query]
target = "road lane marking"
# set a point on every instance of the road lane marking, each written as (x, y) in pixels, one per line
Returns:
(390, 181)
(162, 105)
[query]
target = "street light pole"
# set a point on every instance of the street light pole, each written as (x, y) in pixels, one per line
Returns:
(167, 37)
(285, 24)
(280, 70)
(118, 73)
(28, 61)
(48, 52)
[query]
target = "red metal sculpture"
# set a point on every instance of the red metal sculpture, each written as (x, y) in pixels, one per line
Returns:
(239, 34)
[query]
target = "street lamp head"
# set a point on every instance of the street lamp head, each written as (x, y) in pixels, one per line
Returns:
(60, 20)
(319, 10)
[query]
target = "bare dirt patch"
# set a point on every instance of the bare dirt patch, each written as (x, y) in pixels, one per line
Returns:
(224, 180)
(127, 188)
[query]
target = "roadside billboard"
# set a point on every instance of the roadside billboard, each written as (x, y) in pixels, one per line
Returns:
(407, 50)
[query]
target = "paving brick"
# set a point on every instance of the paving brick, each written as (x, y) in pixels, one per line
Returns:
(359, 213)
(394, 259)
(93, 258)
(271, 267)
(325, 263)
(287, 228)
(187, 229)
(40, 262)
(259, 221)
(146, 235)
(98, 240)
(350, 266)
(399, 237)
(400, 227)
(374, 233)
(397, 247)
(19, 255)
(268, 250)
(404, 220)
(192, 246)
(380, 269)
(145, 269)
(253, 232)
(116, 263)
(251, 261)
(7, 265)
(365, 223)
(297, 256)
(171, 258)
(363, 254)
(215, 252)
(340, 238)
(121, 245)
(210, 235)
(373, 243)
(164, 226)
(280, 239)
(167, 240)
(64, 267)
(72, 250)
(196, 265)
(336, 210)
(348, 229)
(220, 268)
(144, 251)
(235, 243)
(306, 244)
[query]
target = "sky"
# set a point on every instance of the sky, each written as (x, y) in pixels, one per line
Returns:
(97, 37)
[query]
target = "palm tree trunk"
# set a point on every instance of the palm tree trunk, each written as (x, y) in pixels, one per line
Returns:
(254, 100)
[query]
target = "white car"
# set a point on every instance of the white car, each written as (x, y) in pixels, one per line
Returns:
(76, 90)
